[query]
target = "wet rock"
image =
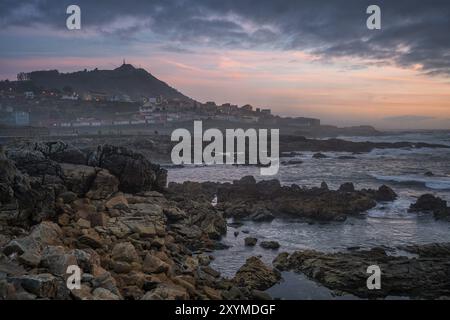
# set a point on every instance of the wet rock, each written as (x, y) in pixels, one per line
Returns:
(384, 193)
(42, 285)
(423, 277)
(270, 245)
(254, 274)
(347, 187)
(292, 162)
(250, 241)
(319, 156)
(428, 202)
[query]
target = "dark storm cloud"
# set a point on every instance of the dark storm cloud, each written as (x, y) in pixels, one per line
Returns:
(413, 31)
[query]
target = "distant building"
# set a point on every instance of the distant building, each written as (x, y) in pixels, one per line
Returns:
(247, 107)
(29, 95)
(267, 112)
(95, 96)
(73, 96)
(21, 118)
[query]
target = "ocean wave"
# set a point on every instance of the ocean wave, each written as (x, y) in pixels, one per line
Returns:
(436, 183)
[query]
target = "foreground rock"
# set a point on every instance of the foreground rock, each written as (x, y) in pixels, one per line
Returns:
(254, 274)
(129, 240)
(427, 276)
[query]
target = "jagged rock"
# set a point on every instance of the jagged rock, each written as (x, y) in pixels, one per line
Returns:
(125, 251)
(34, 163)
(61, 152)
(103, 186)
(254, 274)
(250, 241)
(428, 202)
(45, 233)
(269, 245)
(347, 187)
(22, 201)
(78, 178)
(117, 202)
(134, 172)
(319, 156)
(90, 240)
(384, 193)
(346, 272)
(57, 260)
(42, 285)
(153, 264)
(98, 219)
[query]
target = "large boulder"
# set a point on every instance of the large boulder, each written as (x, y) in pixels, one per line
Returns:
(34, 163)
(428, 202)
(134, 172)
(61, 152)
(78, 178)
(254, 274)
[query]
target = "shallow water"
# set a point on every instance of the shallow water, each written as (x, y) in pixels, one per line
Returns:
(389, 224)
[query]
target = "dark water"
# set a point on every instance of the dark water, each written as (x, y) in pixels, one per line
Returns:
(389, 224)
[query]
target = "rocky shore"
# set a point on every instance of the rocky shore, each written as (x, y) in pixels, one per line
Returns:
(425, 276)
(246, 199)
(107, 213)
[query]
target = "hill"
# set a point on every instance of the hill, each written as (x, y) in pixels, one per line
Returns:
(126, 79)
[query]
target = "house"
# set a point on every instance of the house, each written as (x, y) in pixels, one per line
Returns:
(95, 96)
(29, 95)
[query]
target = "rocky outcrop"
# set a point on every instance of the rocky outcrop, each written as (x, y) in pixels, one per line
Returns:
(264, 200)
(23, 199)
(346, 272)
(254, 274)
(134, 172)
(430, 203)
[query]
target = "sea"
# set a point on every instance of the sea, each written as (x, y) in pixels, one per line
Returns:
(388, 225)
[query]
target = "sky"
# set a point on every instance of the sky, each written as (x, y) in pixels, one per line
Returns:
(298, 57)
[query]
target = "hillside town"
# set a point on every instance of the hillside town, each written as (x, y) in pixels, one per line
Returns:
(23, 104)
